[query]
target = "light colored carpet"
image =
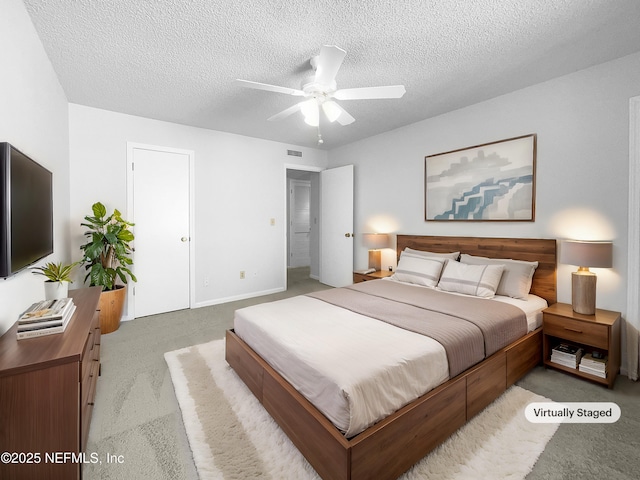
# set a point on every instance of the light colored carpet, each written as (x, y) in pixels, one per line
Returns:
(232, 437)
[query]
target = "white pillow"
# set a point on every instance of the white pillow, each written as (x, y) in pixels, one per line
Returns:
(516, 278)
(419, 269)
(477, 280)
(452, 255)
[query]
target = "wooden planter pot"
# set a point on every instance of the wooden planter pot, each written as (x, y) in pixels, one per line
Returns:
(111, 306)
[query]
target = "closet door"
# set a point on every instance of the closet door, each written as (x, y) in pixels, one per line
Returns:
(161, 213)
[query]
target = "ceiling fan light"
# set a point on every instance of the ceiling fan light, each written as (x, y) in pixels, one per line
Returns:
(331, 110)
(311, 112)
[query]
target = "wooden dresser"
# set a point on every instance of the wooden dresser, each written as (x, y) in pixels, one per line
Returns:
(47, 389)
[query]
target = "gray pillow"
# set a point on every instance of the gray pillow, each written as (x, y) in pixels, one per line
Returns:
(419, 269)
(477, 280)
(516, 277)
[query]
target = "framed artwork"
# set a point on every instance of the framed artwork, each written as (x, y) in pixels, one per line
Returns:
(490, 182)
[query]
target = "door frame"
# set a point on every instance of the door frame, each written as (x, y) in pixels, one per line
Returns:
(631, 368)
(131, 146)
(302, 168)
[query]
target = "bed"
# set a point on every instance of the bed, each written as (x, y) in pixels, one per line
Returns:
(394, 443)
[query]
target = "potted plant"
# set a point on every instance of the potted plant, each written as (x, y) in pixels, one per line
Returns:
(107, 258)
(58, 279)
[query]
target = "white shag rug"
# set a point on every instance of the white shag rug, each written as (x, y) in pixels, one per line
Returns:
(232, 437)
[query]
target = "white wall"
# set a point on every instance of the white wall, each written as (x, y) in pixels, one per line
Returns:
(240, 184)
(582, 167)
(33, 118)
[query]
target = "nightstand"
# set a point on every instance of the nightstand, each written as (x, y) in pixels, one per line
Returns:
(363, 277)
(599, 332)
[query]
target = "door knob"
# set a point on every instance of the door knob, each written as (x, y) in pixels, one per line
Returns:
(184, 239)
(348, 235)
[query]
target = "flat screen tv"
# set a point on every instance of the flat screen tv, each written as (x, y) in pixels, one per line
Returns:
(26, 211)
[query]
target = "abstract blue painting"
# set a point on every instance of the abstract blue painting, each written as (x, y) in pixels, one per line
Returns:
(494, 181)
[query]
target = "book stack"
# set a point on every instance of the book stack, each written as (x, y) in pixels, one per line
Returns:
(45, 318)
(567, 355)
(594, 366)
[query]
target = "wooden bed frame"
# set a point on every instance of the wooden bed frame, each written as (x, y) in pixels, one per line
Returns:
(391, 446)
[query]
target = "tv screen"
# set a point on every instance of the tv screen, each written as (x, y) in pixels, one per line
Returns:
(26, 209)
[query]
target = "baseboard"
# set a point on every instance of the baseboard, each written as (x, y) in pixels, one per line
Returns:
(234, 298)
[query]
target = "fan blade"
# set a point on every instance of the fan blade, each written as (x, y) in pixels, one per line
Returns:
(344, 118)
(270, 88)
(329, 62)
(285, 113)
(366, 93)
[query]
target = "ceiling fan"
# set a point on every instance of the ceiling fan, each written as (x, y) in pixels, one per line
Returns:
(319, 91)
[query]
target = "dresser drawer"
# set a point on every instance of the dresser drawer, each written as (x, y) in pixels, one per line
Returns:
(584, 332)
(87, 355)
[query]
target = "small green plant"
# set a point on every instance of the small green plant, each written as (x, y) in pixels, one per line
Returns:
(107, 253)
(56, 272)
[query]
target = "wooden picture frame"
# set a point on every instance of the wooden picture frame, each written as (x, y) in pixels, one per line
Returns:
(489, 182)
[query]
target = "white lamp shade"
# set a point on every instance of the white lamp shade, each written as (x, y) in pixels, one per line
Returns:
(376, 240)
(331, 110)
(587, 254)
(311, 112)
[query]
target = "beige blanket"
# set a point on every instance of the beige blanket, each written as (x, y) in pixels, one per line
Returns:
(469, 328)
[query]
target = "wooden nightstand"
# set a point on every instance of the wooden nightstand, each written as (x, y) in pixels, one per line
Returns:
(599, 332)
(361, 277)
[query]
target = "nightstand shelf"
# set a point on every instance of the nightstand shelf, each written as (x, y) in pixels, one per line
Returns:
(363, 277)
(599, 332)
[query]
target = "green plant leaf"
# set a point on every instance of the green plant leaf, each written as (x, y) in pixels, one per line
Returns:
(125, 235)
(99, 210)
(111, 237)
(93, 250)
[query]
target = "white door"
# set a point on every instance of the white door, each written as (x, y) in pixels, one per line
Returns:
(161, 213)
(300, 223)
(336, 226)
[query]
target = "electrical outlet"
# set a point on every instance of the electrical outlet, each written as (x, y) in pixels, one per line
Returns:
(205, 280)
(241, 274)
(273, 222)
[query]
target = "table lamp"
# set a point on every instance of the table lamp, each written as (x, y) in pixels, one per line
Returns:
(374, 242)
(583, 282)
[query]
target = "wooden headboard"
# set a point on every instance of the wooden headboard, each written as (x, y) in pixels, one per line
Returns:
(530, 249)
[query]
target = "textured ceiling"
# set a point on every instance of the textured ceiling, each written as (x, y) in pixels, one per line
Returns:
(177, 60)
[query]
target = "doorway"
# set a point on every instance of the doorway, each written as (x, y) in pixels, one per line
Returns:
(299, 223)
(303, 223)
(330, 223)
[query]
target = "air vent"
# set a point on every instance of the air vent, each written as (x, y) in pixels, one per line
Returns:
(294, 153)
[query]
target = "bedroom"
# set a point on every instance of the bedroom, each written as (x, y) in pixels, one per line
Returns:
(581, 118)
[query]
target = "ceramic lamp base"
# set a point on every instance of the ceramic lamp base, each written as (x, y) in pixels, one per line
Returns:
(583, 292)
(375, 259)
